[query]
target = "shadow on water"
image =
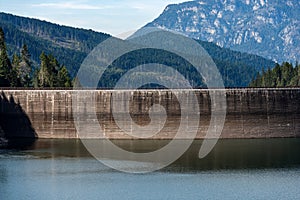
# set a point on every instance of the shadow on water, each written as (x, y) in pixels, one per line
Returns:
(16, 131)
(241, 154)
(228, 154)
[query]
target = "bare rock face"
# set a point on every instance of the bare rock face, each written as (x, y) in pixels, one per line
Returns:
(251, 113)
(269, 28)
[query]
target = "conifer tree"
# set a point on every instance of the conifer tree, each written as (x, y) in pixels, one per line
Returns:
(5, 64)
(51, 74)
(277, 74)
(64, 78)
(281, 76)
(53, 68)
(15, 79)
(25, 67)
(43, 73)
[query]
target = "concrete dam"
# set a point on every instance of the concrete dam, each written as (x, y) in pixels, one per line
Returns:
(250, 112)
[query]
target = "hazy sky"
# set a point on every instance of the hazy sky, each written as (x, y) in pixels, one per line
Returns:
(110, 16)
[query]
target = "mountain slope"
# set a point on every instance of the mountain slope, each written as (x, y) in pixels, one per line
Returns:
(237, 69)
(269, 28)
(71, 45)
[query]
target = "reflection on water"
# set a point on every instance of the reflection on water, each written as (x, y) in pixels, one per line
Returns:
(235, 169)
(227, 154)
(244, 154)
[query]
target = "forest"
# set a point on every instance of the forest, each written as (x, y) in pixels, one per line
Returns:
(70, 46)
(19, 72)
(284, 75)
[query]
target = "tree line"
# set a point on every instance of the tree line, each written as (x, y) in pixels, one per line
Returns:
(19, 72)
(284, 75)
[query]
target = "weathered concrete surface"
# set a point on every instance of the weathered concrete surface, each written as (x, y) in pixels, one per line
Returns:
(251, 113)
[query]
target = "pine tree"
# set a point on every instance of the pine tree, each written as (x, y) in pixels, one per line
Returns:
(25, 67)
(277, 75)
(53, 69)
(5, 64)
(51, 74)
(64, 79)
(43, 73)
(15, 78)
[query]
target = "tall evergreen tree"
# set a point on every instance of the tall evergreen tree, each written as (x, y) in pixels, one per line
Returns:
(64, 79)
(15, 79)
(53, 69)
(43, 73)
(277, 75)
(5, 64)
(25, 67)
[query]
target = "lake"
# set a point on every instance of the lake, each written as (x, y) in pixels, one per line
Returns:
(235, 169)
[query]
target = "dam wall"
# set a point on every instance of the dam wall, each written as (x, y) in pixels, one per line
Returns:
(250, 113)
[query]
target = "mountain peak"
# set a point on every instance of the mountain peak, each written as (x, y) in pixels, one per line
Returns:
(270, 28)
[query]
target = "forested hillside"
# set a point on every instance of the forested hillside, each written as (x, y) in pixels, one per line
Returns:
(285, 75)
(71, 45)
(19, 72)
(236, 68)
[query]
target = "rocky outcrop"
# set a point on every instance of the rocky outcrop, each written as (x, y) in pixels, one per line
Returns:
(266, 28)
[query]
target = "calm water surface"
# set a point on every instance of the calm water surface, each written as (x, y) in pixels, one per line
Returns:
(235, 169)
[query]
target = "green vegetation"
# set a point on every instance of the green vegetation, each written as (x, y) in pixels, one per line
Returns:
(68, 45)
(71, 45)
(18, 73)
(285, 75)
(236, 68)
(51, 73)
(6, 71)
(21, 69)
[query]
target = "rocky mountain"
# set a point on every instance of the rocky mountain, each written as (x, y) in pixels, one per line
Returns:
(269, 28)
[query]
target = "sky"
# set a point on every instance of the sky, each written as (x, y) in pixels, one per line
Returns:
(110, 16)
